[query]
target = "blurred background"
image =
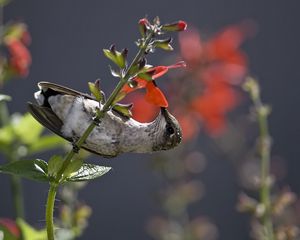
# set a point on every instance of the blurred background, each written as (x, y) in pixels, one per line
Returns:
(67, 41)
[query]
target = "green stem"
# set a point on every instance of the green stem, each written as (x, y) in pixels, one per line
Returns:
(49, 211)
(262, 112)
(265, 191)
(11, 155)
(16, 189)
(81, 140)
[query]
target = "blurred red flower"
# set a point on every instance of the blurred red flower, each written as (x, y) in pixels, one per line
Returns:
(218, 64)
(17, 39)
(11, 226)
(206, 92)
(20, 58)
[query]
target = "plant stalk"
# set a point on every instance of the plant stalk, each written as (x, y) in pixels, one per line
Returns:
(81, 140)
(262, 111)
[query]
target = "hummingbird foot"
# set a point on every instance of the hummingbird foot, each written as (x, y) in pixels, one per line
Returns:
(75, 148)
(96, 121)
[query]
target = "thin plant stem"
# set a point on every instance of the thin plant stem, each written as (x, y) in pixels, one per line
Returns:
(49, 210)
(262, 112)
(11, 156)
(81, 140)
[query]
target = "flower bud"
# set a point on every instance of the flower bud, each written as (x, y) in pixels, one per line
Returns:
(143, 26)
(174, 27)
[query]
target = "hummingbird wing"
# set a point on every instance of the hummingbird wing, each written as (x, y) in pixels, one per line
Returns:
(48, 119)
(64, 90)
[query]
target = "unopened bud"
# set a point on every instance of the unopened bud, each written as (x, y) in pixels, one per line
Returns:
(174, 27)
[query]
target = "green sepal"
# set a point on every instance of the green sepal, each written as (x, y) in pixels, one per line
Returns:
(95, 90)
(164, 44)
(35, 169)
(88, 172)
(123, 109)
(117, 57)
(145, 76)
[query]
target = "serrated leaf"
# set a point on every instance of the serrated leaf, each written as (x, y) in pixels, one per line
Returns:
(95, 91)
(123, 109)
(73, 167)
(88, 172)
(45, 143)
(4, 97)
(29, 233)
(35, 169)
(27, 129)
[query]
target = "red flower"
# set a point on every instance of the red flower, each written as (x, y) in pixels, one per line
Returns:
(153, 94)
(11, 226)
(206, 92)
(217, 64)
(20, 58)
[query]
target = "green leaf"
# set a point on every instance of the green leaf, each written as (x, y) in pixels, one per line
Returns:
(95, 90)
(88, 172)
(6, 135)
(54, 165)
(29, 233)
(27, 129)
(32, 169)
(45, 143)
(123, 109)
(4, 97)
(73, 167)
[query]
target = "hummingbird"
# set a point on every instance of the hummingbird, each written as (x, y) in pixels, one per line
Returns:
(68, 113)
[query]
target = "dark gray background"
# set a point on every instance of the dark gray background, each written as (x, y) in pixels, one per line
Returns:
(68, 36)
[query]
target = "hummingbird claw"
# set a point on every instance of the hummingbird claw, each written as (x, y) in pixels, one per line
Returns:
(96, 121)
(75, 147)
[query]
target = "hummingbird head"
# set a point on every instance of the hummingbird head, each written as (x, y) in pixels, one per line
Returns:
(170, 134)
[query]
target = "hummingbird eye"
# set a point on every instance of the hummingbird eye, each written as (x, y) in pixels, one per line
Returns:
(170, 130)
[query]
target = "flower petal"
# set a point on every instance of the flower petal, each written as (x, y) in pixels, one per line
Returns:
(155, 96)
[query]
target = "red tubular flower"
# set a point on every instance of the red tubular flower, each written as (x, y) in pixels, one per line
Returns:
(153, 94)
(20, 59)
(206, 91)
